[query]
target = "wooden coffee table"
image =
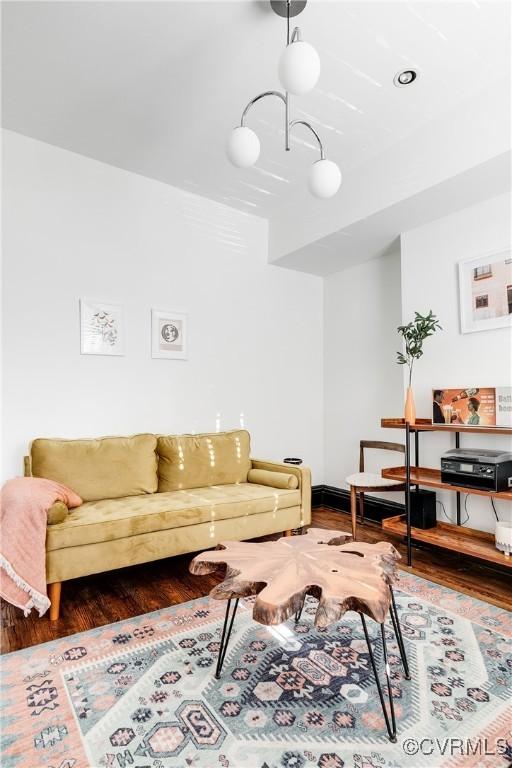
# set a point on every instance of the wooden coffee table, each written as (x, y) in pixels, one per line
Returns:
(343, 575)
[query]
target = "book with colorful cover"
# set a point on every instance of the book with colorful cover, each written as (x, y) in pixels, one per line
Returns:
(474, 406)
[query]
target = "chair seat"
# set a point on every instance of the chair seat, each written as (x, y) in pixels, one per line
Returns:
(370, 480)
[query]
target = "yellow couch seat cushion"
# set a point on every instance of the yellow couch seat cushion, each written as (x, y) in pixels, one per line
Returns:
(102, 468)
(195, 461)
(112, 519)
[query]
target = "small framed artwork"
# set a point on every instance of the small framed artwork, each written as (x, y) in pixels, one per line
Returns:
(101, 328)
(169, 334)
(485, 288)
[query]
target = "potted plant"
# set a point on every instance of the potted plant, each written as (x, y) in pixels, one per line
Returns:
(414, 334)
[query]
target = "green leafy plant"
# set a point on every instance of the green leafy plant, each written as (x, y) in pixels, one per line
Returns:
(414, 334)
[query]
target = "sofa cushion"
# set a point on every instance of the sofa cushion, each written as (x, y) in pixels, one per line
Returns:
(195, 461)
(118, 518)
(103, 468)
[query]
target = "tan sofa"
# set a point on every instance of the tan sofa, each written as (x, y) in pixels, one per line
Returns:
(148, 497)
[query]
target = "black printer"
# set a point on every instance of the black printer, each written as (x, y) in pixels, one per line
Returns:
(478, 468)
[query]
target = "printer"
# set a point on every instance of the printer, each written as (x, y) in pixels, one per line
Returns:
(478, 468)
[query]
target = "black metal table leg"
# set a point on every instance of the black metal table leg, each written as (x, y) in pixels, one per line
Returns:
(398, 634)
(299, 612)
(226, 634)
(388, 717)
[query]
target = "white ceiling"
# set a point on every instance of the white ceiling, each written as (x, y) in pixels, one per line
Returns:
(379, 232)
(154, 87)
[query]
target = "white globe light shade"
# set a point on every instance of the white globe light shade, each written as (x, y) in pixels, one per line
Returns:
(324, 178)
(243, 147)
(299, 68)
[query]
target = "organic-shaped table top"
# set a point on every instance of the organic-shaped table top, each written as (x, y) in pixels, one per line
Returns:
(344, 575)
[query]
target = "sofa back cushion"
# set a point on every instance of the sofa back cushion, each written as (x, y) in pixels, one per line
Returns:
(102, 468)
(194, 461)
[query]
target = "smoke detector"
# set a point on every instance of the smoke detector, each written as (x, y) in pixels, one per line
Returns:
(406, 77)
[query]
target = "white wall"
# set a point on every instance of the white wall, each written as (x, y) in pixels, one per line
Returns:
(430, 281)
(362, 381)
(74, 227)
(259, 334)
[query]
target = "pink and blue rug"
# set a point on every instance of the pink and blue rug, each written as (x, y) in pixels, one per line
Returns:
(142, 693)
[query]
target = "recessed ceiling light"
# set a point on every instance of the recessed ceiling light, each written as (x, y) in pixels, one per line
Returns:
(406, 77)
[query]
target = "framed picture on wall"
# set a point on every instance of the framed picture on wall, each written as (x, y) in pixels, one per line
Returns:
(169, 334)
(485, 288)
(475, 406)
(101, 328)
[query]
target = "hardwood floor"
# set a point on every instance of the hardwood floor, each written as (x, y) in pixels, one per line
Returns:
(105, 598)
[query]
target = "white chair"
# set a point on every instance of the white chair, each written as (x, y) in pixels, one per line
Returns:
(361, 482)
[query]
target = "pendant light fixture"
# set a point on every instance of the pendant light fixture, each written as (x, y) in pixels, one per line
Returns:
(299, 69)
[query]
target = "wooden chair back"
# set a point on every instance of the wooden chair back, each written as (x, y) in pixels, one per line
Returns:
(380, 445)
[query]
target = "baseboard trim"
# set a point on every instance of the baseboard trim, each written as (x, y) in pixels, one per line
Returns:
(338, 498)
(317, 495)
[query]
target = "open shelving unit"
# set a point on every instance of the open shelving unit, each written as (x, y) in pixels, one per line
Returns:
(425, 425)
(432, 478)
(467, 541)
(454, 537)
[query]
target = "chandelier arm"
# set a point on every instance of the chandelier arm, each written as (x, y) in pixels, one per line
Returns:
(315, 134)
(287, 122)
(257, 98)
(287, 95)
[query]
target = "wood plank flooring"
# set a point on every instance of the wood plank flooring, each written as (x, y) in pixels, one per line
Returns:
(105, 598)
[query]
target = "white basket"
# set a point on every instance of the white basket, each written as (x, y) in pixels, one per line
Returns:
(503, 536)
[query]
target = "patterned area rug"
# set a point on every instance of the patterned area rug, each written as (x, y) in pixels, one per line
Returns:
(142, 693)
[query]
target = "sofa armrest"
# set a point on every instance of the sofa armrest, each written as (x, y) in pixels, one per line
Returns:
(57, 513)
(303, 474)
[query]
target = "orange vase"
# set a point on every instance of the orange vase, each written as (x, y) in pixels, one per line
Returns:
(410, 408)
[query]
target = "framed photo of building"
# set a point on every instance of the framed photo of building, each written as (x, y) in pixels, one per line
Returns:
(169, 334)
(485, 286)
(101, 328)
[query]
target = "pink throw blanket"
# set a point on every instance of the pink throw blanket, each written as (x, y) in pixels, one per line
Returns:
(25, 505)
